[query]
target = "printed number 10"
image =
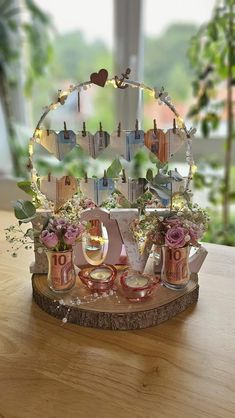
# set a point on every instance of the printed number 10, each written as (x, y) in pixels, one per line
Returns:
(61, 259)
(175, 254)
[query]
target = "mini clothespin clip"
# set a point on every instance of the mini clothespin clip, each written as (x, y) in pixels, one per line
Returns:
(101, 129)
(155, 127)
(83, 129)
(137, 129)
(49, 177)
(66, 133)
(105, 180)
(120, 82)
(78, 101)
(123, 176)
(67, 181)
(48, 132)
(85, 177)
(174, 126)
(119, 130)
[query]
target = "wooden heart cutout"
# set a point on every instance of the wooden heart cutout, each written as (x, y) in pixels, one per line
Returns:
(99, 78)
(60, 190)
(163, 145)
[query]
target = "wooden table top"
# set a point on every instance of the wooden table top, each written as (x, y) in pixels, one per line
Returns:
(182, 368)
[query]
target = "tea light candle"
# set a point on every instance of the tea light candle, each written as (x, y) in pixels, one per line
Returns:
(136, 281)
(101, 274)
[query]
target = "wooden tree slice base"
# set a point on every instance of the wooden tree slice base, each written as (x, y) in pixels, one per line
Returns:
(114, 312)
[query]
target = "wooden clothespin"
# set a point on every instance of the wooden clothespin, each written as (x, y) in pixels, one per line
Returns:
(119, 130)
(66, 133)
(83, 129)
(105, 180)
(174, 126)
(48, 132)
(67, 181)
(79, 102)
(101, 129)
(123, 176)
(137, 129)
(155, 127)
(49, 177)
(85, 177)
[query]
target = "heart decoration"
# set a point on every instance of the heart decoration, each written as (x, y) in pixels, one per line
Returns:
(58, 190)
(99, 78)
(163, 145)
(58, 144)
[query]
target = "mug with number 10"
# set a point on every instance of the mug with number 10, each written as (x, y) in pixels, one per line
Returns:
(61, 273)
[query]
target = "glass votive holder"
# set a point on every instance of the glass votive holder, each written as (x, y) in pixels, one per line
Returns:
(98, 278)
(138, 286)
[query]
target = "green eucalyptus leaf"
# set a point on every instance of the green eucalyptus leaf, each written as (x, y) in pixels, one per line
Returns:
(26, 187)
(161, 179)
(114, 169)
(163, 192)
(149, 175)
(24, 210)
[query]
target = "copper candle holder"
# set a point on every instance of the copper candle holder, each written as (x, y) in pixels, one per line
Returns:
(98, 278)
(137, 286)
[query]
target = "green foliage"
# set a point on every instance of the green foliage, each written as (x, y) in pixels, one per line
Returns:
(26, 187)
(215, 232)
(24, 210)
(212, 55)
(166, 60)
(114, 169)
(208, 56)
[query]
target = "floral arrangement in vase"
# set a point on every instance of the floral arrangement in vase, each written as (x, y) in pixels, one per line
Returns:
(174, 233)
(175, 229)
(58, 237)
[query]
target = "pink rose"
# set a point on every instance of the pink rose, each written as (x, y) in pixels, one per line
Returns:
(175, 237)
(88, 203)
(73, 232)
(49, 239)
(195, 234)
(70, 237)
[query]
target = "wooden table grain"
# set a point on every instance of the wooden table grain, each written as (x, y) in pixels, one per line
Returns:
(182, 368)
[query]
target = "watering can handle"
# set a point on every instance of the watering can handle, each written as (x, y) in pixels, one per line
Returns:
(196, 260)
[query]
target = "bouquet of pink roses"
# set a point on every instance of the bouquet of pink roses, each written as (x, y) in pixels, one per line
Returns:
(176, 232)
(175, 229)
(60, 235)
